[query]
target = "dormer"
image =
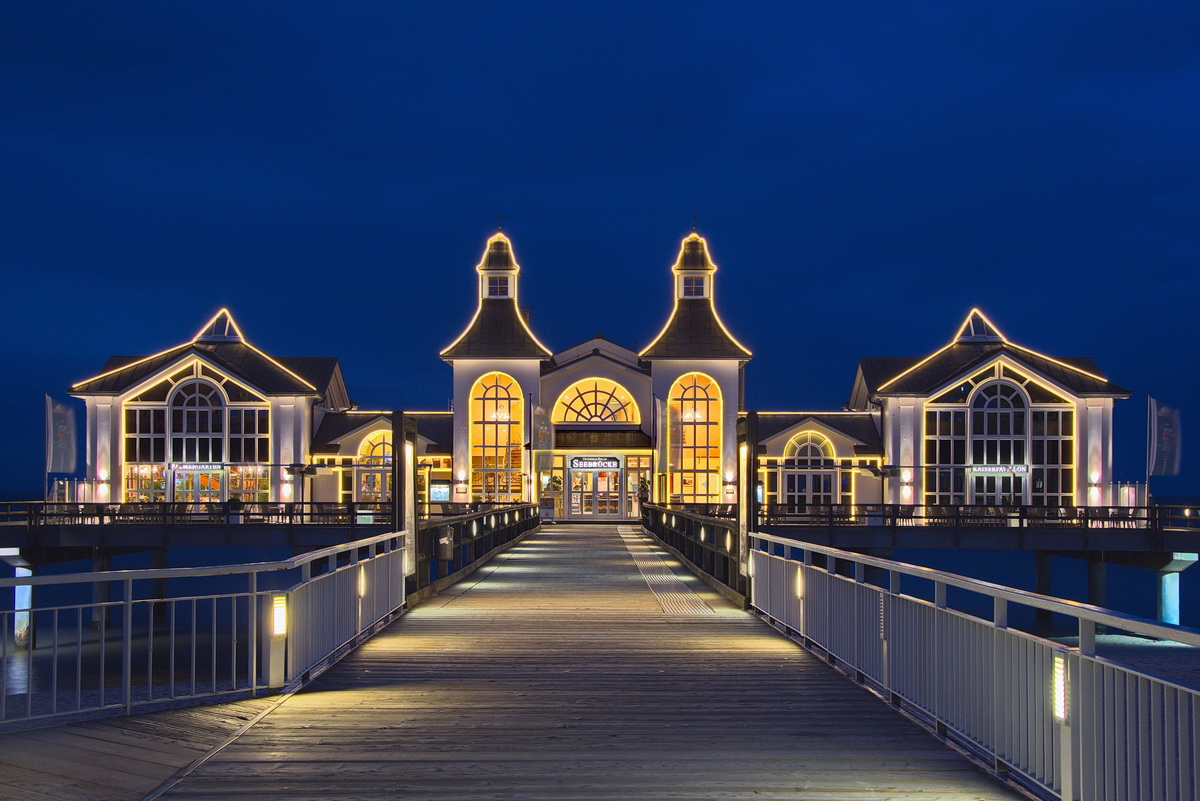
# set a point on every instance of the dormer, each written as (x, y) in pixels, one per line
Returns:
(498, 270)
(693, 269)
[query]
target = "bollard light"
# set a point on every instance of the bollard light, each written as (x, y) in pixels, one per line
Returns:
(279, 615)
(1060, 688)
(799, 583)
(362, 581)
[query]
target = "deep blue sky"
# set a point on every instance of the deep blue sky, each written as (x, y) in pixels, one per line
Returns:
(864, 173)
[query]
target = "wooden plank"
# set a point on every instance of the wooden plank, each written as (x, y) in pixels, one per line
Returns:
(554, 673)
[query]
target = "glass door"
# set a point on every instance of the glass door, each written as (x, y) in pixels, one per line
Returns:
(608, 492)
(198, 487)
(807, 489)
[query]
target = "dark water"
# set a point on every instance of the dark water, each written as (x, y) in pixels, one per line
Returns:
(1130, 590)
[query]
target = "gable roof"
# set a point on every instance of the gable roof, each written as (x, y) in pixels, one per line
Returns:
(860, 426)
(977, 342)
(335, 426)
(220, 342)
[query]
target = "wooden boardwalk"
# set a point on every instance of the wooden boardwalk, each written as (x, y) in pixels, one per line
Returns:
(581, 665)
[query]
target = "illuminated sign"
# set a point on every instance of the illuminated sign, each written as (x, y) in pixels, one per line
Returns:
(197, 466)
(595, 463)
(439, 490)
(1003, 469)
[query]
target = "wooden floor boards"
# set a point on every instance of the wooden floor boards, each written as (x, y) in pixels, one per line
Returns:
(556, 673)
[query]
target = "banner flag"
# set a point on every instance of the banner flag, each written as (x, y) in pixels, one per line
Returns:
(1163, 451)
(542, 440)
(60, 437)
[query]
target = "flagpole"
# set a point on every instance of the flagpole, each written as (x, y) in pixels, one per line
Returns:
(1149, 435)
(46, 423)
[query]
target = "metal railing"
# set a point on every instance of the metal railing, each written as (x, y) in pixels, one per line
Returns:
(978, 516)
(448, 545)
(38, 513)
(190, 632)
(712, 545)
(1060, 721)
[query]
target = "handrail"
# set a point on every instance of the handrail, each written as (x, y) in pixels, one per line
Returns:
(1061, 722)
(193, 572)
(1095, 614)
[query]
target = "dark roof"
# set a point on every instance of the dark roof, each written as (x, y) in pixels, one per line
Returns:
(553, 363)
(438, 427)
(877, 370)
(316, 370)
(241, 360)
(856, 425)
(693, 254)
(497, 331)
(499, 255)
(694, 332)
(335, 425)
(1080, 376)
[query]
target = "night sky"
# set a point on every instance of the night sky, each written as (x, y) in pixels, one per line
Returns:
(864, 174)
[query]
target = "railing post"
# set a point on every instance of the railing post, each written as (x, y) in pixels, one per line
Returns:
(252, 610)
(127, 647)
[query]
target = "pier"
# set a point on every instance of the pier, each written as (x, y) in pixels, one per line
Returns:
(582, 663)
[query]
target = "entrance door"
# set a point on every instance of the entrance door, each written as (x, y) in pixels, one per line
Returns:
(999, 490)
(198, 487)
(595, 493)
(803, 490)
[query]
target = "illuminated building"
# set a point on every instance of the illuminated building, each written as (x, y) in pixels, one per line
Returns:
(591, 429)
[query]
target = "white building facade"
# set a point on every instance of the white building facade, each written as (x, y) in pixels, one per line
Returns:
(593, 431)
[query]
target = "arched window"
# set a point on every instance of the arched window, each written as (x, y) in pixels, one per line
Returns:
(999, 415)
(197, 423)
(809, 449)
(810, 475)
(694, 416)
(375, 468)
(595, 400)
(496, 439)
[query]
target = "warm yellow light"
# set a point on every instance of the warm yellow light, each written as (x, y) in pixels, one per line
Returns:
(906, 493)
(906, 475)
(102, 474)
(799, 583)
(729, 542)
(1060, 688)
(286, 491)
(703, 534)
(362, 581)
(279, 609)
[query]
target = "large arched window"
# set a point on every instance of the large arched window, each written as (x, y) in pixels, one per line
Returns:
(375, 468)
(999, 424)
(595, 400)
(197, 423)
(694, 417)
(496, 439)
